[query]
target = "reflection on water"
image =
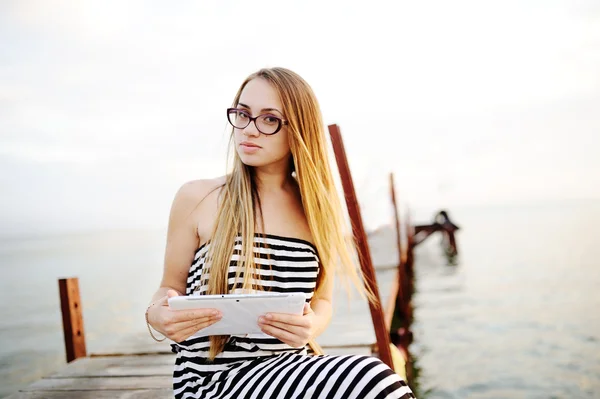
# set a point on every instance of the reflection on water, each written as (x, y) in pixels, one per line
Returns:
(419, 390)
(517, 317)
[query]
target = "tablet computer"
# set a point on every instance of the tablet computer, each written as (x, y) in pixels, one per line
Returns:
(240, 311)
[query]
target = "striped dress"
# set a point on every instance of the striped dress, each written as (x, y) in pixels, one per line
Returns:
(260, 366)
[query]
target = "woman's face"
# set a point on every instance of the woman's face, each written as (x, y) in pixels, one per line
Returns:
(254, 148)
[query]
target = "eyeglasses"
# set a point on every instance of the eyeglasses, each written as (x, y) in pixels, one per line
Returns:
(265, 123)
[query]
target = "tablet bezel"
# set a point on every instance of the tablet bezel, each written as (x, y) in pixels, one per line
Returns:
(238, 319)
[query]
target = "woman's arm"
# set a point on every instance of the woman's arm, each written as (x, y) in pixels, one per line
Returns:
(322, 307)
(182, 243)
(182, 240)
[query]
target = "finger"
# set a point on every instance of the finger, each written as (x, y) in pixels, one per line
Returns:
(162, 301)
(285, 318)
(188, 332)
(170, 294)
(282, 335)
(307, 309)
(296, 330)
(194, 323)
(193, 314)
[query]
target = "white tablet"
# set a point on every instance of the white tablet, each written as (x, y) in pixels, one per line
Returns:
(240, 311)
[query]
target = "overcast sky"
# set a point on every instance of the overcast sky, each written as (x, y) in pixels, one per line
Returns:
(107, 107)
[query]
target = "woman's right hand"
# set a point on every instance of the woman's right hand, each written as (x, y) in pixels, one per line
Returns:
(179, 325)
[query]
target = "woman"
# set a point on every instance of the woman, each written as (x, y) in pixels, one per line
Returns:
(279, 203)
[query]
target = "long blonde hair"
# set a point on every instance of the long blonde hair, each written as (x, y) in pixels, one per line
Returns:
(240, 200)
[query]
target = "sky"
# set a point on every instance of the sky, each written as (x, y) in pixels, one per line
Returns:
(108, 107)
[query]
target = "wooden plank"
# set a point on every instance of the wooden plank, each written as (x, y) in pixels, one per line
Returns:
(72, 316)
(134, 343)
(153, 365)
(123, 377)
(103, 394)
(101, 383)
(381, 333)
(118, 366)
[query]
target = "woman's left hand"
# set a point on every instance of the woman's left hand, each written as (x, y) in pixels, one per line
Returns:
(293, 330)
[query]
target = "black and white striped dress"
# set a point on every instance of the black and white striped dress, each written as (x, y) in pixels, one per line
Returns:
(260, 366)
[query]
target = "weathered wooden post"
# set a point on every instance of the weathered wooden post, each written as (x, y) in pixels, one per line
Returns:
(72, 315)
(409, 267)
(401, 335)
(443, 224)
(381, 333)
(403, 296)
(448, 229)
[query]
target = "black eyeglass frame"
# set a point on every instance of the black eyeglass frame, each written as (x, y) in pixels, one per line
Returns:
(282, 122)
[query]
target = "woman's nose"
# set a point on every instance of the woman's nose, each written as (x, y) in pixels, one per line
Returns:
(251, 129)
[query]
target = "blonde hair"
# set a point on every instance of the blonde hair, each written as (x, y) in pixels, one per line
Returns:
(321, 203)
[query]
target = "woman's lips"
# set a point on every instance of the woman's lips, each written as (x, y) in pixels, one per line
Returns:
(249, 148)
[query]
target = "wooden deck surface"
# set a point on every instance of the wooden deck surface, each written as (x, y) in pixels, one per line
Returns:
(137, 367)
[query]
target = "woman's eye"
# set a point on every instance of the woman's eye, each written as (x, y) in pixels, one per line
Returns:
(270, 119)
(242, 115)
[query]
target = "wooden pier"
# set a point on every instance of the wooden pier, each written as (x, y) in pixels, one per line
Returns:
(138, 367)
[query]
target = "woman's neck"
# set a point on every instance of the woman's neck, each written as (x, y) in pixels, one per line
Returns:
(272, 180)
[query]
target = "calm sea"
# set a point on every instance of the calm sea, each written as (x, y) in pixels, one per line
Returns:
(518, 317)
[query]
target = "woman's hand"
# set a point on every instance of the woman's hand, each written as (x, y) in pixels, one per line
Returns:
(178, 325)
(293, 330)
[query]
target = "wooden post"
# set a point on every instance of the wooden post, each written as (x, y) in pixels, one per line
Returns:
(70, 304)
(452, 243)
(409, 267)
(402, 297)
(401, 336)
(383, 339)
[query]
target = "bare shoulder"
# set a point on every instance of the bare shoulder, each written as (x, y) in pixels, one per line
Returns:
(193, 191)
(199, 200)
(182, 235)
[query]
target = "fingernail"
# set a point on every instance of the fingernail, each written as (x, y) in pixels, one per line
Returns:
(215, 313)
(269, 316)
(261, 319)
